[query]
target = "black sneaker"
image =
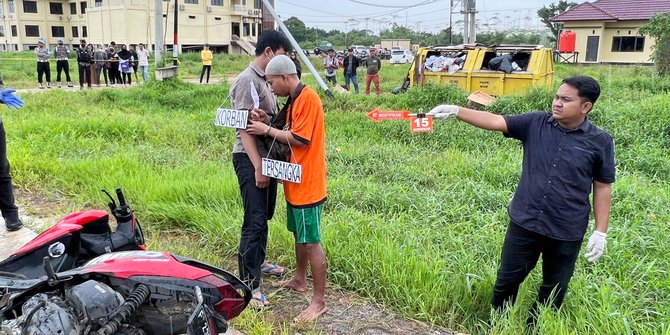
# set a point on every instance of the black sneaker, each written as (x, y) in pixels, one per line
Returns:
(13, 225)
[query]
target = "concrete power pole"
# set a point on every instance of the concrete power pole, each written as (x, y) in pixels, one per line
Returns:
(159, 42)
(469, 21)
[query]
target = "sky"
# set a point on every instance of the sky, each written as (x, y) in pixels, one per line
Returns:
(419, 15)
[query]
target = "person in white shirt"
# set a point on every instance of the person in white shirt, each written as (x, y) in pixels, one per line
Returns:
(143, 57)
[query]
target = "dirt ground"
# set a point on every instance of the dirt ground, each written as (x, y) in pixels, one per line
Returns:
(347, 313)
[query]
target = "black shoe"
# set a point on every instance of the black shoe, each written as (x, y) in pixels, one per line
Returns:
(13, 225)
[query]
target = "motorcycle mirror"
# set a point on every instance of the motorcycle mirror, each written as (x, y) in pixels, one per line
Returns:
(112, 203)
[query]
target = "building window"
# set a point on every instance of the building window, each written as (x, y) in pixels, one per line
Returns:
(10, 7)
(191, 1)
(217, 2)
(2, 9)
(56, 8)
(15, 32)
(257, 4)
(83, 31)
(75, 31)
(29, 6)
(57, 31)
(245, 29)
(253, 30)
(32, 31)
(628, 44)
(83, 7)
(73, 8)
(2, 31)
(98, 3)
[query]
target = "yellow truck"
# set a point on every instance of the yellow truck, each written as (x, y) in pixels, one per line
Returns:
(495, 70)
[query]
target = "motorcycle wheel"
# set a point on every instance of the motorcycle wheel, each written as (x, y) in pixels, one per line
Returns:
(129, 330)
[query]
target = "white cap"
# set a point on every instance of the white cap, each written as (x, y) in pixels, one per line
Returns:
(279, 65)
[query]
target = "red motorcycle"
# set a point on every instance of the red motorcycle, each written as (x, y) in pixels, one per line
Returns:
(132, 292)
(78, 238)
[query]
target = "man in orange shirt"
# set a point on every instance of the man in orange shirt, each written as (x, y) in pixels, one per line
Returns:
(307, 137)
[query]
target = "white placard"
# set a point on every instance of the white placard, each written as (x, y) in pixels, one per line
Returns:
(282, 170)
(232, 118)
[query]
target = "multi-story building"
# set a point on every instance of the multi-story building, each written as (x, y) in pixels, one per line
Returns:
(227, 25)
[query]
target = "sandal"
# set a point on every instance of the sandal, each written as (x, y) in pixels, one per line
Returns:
(258, 303)
(273, 269)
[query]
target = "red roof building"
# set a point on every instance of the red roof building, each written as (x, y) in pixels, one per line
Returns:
(607, 30)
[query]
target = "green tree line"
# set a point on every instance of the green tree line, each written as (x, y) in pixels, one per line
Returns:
(309, 37)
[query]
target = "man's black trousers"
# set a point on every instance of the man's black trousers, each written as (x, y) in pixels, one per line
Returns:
(9, 210)
(259, 205)
(85, 74)
(520, 252)
(63, 65)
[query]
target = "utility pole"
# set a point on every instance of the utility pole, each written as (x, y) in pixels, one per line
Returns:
(159, 41)
(469, 21)
(175, 42)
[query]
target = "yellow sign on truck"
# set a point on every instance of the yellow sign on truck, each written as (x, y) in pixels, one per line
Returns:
(495, 70)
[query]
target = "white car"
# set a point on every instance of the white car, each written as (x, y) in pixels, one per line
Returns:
(400, 56)
(360, 51)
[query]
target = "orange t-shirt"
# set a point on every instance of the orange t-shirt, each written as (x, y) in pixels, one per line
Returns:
(308, 123)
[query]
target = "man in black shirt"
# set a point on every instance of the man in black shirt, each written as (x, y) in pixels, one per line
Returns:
(350, 64)
(565, 156)
(84, 61)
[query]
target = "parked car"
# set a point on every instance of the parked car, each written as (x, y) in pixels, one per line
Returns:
(360, 51)
(400, 56)
(323, 47)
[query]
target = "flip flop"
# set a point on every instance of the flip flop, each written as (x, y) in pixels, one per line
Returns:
(258, 303)
(273, 269)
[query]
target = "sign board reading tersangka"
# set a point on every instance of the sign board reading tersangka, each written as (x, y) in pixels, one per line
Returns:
(282, 170)
(232, 118)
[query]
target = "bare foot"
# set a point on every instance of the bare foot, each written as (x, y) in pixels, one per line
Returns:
(292, 284)
(311, 313)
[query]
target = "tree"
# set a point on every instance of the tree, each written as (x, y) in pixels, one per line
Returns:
(298, 29)
(659, 28)
(547, 12)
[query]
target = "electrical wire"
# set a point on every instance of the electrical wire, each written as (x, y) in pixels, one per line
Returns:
(422, 3)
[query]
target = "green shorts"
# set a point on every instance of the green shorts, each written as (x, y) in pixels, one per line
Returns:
(305, 223)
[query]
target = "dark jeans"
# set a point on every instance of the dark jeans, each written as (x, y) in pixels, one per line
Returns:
(43, 69)
(102, 70)
(63, 65)
(259, 206)
(520, 253)
(207, 68)
(351, 78)
(126, 78)
(113, 73)
(85, 74)
(9, 211)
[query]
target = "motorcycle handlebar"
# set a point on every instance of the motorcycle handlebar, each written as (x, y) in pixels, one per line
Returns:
(122, 199)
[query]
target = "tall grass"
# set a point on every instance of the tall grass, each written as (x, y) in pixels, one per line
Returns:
(413, 221)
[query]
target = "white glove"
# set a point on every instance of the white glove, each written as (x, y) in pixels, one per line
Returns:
(443, 112)
(596, 246)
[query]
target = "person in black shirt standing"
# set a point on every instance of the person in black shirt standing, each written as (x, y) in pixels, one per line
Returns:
(84, 61)
(565, 156)
(9, 210)
(350, 64)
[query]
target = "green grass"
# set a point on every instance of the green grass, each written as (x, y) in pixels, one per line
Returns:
(413, 221)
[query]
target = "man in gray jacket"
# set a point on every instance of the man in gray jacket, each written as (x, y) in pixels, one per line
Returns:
(62, 62)
(43, 54)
